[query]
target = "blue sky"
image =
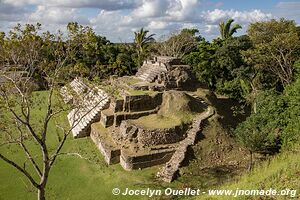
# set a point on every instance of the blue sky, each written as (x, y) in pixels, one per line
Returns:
(117, 19)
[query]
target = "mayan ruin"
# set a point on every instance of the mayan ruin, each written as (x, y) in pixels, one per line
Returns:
(143, 120)
(150, 99)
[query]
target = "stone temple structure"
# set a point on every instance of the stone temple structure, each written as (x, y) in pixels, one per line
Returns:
(140, 121)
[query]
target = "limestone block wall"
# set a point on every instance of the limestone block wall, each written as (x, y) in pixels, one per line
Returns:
(160, 136)
(167, 71)
(131, 107)
(150, 70)
(130, 162)
(119, 117)
(109, 118)
(132, 133)
(111, 154)
(116, 105)
(167, 59)
(138, 103)
(178, 76)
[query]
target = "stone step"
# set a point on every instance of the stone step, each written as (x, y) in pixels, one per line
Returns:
(167, 173)
(86, 119)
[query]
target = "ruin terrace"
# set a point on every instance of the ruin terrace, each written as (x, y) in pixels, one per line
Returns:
(143, 120)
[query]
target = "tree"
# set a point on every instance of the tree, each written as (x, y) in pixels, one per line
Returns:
(275, 123)
(202, 63)
(142, 41)
(16, 99)
(276, 48)
(260, 132)
(226, 31)
(179, 44)
(291, 132)
(231, 66)
(85, 45)
(220, 64)
(94, 57)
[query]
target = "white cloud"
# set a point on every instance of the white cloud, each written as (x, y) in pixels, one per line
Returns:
(117, 19)
(152, 8)
(153, 25)
(218, 15)
(114, 25)
(184, 10)
(211, 28)
(21, 2)
(10, 12)
(103, 4)
(56, 15)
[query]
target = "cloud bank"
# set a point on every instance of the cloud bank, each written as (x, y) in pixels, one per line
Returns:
(117, 19)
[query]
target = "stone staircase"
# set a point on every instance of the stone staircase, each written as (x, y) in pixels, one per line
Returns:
(92, 102)
(78, 86)
(167, 173)
(67, 96)
(82, 118)
(149, 72)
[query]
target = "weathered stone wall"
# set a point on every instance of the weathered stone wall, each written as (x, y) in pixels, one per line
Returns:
(130, 162)
(116, 105)
(160, 136)
(131, 107)
(119, 117)
(109, 118)
(111, 155)
(178, 76)
(173, 73)
(138, 103)
(168, 172)
(132, 133)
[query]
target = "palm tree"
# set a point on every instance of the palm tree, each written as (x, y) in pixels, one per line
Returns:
(142, 41)
(226, 30)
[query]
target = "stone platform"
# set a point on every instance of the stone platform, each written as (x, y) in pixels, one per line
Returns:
(118, 114)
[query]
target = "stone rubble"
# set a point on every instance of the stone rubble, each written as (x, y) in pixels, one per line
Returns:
(168, 172)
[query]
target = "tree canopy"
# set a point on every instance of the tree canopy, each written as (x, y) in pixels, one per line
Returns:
(226, 31)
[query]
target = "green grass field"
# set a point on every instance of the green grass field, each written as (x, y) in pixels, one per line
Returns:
(71, 177)
(86, 178)
(89, 177)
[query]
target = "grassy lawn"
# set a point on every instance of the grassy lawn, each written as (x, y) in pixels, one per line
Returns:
(155, 121)
(71, 177)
